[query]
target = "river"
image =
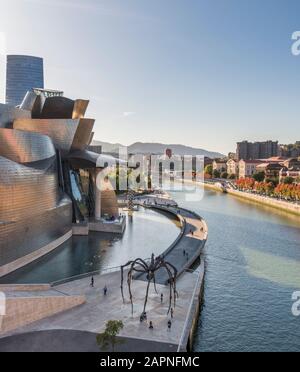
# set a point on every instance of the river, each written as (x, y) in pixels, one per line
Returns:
(252, 268)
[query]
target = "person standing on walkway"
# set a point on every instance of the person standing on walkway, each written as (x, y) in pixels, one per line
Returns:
(172, 312)
(150, 325)
(92, 282)
(169, 325)
(184, 252)
(105, 290)
(161, 298)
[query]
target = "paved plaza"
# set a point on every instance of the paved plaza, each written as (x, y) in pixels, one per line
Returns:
(92, 316)
(78, 326)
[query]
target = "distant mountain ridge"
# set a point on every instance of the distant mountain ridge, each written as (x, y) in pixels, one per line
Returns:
(156, 148)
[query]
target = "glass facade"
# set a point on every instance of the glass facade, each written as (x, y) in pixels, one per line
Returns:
(23, 73)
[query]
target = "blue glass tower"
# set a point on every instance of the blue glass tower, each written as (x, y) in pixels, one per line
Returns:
(22, 74)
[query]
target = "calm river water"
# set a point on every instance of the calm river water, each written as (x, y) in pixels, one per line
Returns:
(253, 267)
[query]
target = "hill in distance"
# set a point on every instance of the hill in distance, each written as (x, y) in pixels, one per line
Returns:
(156, 148)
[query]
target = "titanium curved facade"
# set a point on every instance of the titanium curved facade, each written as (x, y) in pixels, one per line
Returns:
(43, 149)
(33, 211)
(23, 73)
(67, 134)
(10, 113)
(25, 147)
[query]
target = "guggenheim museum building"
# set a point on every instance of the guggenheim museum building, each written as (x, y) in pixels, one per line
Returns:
(47, 176)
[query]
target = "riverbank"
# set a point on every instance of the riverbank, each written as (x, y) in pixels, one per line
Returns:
(274, 203)
(258, 199)
(212, 186)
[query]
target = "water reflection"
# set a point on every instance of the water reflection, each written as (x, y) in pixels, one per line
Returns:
(83, 254)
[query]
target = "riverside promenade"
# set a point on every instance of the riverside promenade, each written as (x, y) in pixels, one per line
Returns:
(187, 247)
(75, 329)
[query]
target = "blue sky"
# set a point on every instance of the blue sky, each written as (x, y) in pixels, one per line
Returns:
(204, 73)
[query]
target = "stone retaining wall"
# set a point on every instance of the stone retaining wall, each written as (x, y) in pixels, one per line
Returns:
(274, 203)
(24, 287)
(24, 310)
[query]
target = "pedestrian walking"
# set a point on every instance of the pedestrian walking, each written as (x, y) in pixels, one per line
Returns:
(92, 282)
(161, 298)
(150, 325)
(105, 290)
(169, 325)
(184, 252)
(172, 312)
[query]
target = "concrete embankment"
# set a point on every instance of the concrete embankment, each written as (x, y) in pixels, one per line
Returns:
(282, 205)
(262, 200)
(213, 186)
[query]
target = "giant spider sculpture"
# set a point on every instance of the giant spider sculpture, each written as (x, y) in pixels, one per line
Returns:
(142, 267)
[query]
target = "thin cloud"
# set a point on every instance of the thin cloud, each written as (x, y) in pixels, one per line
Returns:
(128, 113)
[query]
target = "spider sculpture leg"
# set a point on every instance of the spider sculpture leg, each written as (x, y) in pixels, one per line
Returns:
(171, 282)
(129, 278)
(147, 292)
(141, 262)
(174, 277)
(154, 283)
(170, 285)
(129, 290)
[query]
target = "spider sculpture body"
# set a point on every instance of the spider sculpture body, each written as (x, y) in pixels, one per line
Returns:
(140, 266)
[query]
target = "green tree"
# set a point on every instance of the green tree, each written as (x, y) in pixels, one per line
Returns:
(288, 180)
(224, 175)
(259, 176)
(208, 169)
(216, 174)
(274, 180)
(109, 336)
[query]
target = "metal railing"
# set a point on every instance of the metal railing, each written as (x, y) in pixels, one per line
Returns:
(105, 270)
(85, 275)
